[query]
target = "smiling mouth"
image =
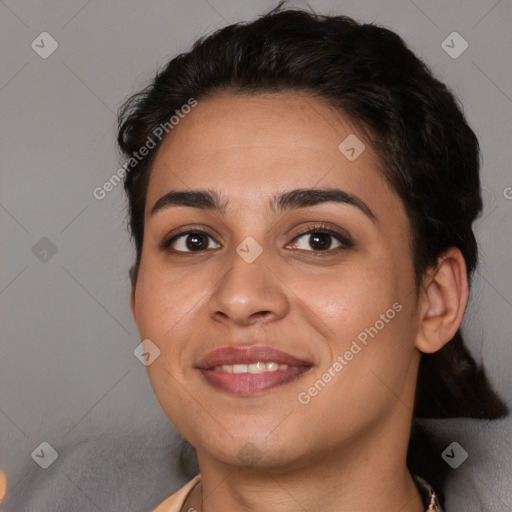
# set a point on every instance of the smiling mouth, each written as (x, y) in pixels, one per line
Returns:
(254, 368)
(249, 370)
(243, 379)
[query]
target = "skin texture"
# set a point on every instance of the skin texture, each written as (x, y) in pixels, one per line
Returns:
(346, 448)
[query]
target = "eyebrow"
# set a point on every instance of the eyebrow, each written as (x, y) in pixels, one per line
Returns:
(280, 203)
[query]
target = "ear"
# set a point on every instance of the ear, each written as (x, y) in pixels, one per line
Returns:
(443, 300)
(133, 280)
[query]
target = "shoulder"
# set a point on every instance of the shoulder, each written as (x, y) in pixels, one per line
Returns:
(174, 502)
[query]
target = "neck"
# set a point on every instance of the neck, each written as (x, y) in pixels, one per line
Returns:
(368, 473)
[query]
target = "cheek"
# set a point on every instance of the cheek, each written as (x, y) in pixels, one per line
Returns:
(365, 311)
(163, 298)
(351, 298)
(165, 306)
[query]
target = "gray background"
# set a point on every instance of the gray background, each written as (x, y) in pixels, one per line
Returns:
(67, 369)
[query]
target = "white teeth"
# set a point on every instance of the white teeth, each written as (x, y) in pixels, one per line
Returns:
(239, 368)
(258, 367)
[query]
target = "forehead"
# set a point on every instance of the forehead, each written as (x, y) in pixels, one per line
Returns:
(250, 146)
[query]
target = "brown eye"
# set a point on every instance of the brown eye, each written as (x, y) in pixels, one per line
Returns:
(321, 240)
(191, 241)
(196, 242)
(316, 242)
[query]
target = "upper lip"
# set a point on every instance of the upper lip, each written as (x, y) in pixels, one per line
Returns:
(246, 355)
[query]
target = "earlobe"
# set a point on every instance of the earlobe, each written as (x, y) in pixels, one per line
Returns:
(443, 298)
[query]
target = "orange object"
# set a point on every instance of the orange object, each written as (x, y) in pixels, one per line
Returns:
(3, 486)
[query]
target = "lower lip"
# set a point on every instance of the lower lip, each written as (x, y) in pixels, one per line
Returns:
(251, 383)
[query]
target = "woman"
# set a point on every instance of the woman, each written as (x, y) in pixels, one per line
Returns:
(301, 196)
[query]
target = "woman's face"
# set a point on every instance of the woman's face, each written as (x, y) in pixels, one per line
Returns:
(252, 271)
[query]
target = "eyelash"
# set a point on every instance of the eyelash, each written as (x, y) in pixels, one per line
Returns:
(344, 240)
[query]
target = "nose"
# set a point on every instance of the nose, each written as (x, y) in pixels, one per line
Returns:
(249, 293)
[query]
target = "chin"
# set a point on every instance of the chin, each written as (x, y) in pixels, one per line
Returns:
(256, 450)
